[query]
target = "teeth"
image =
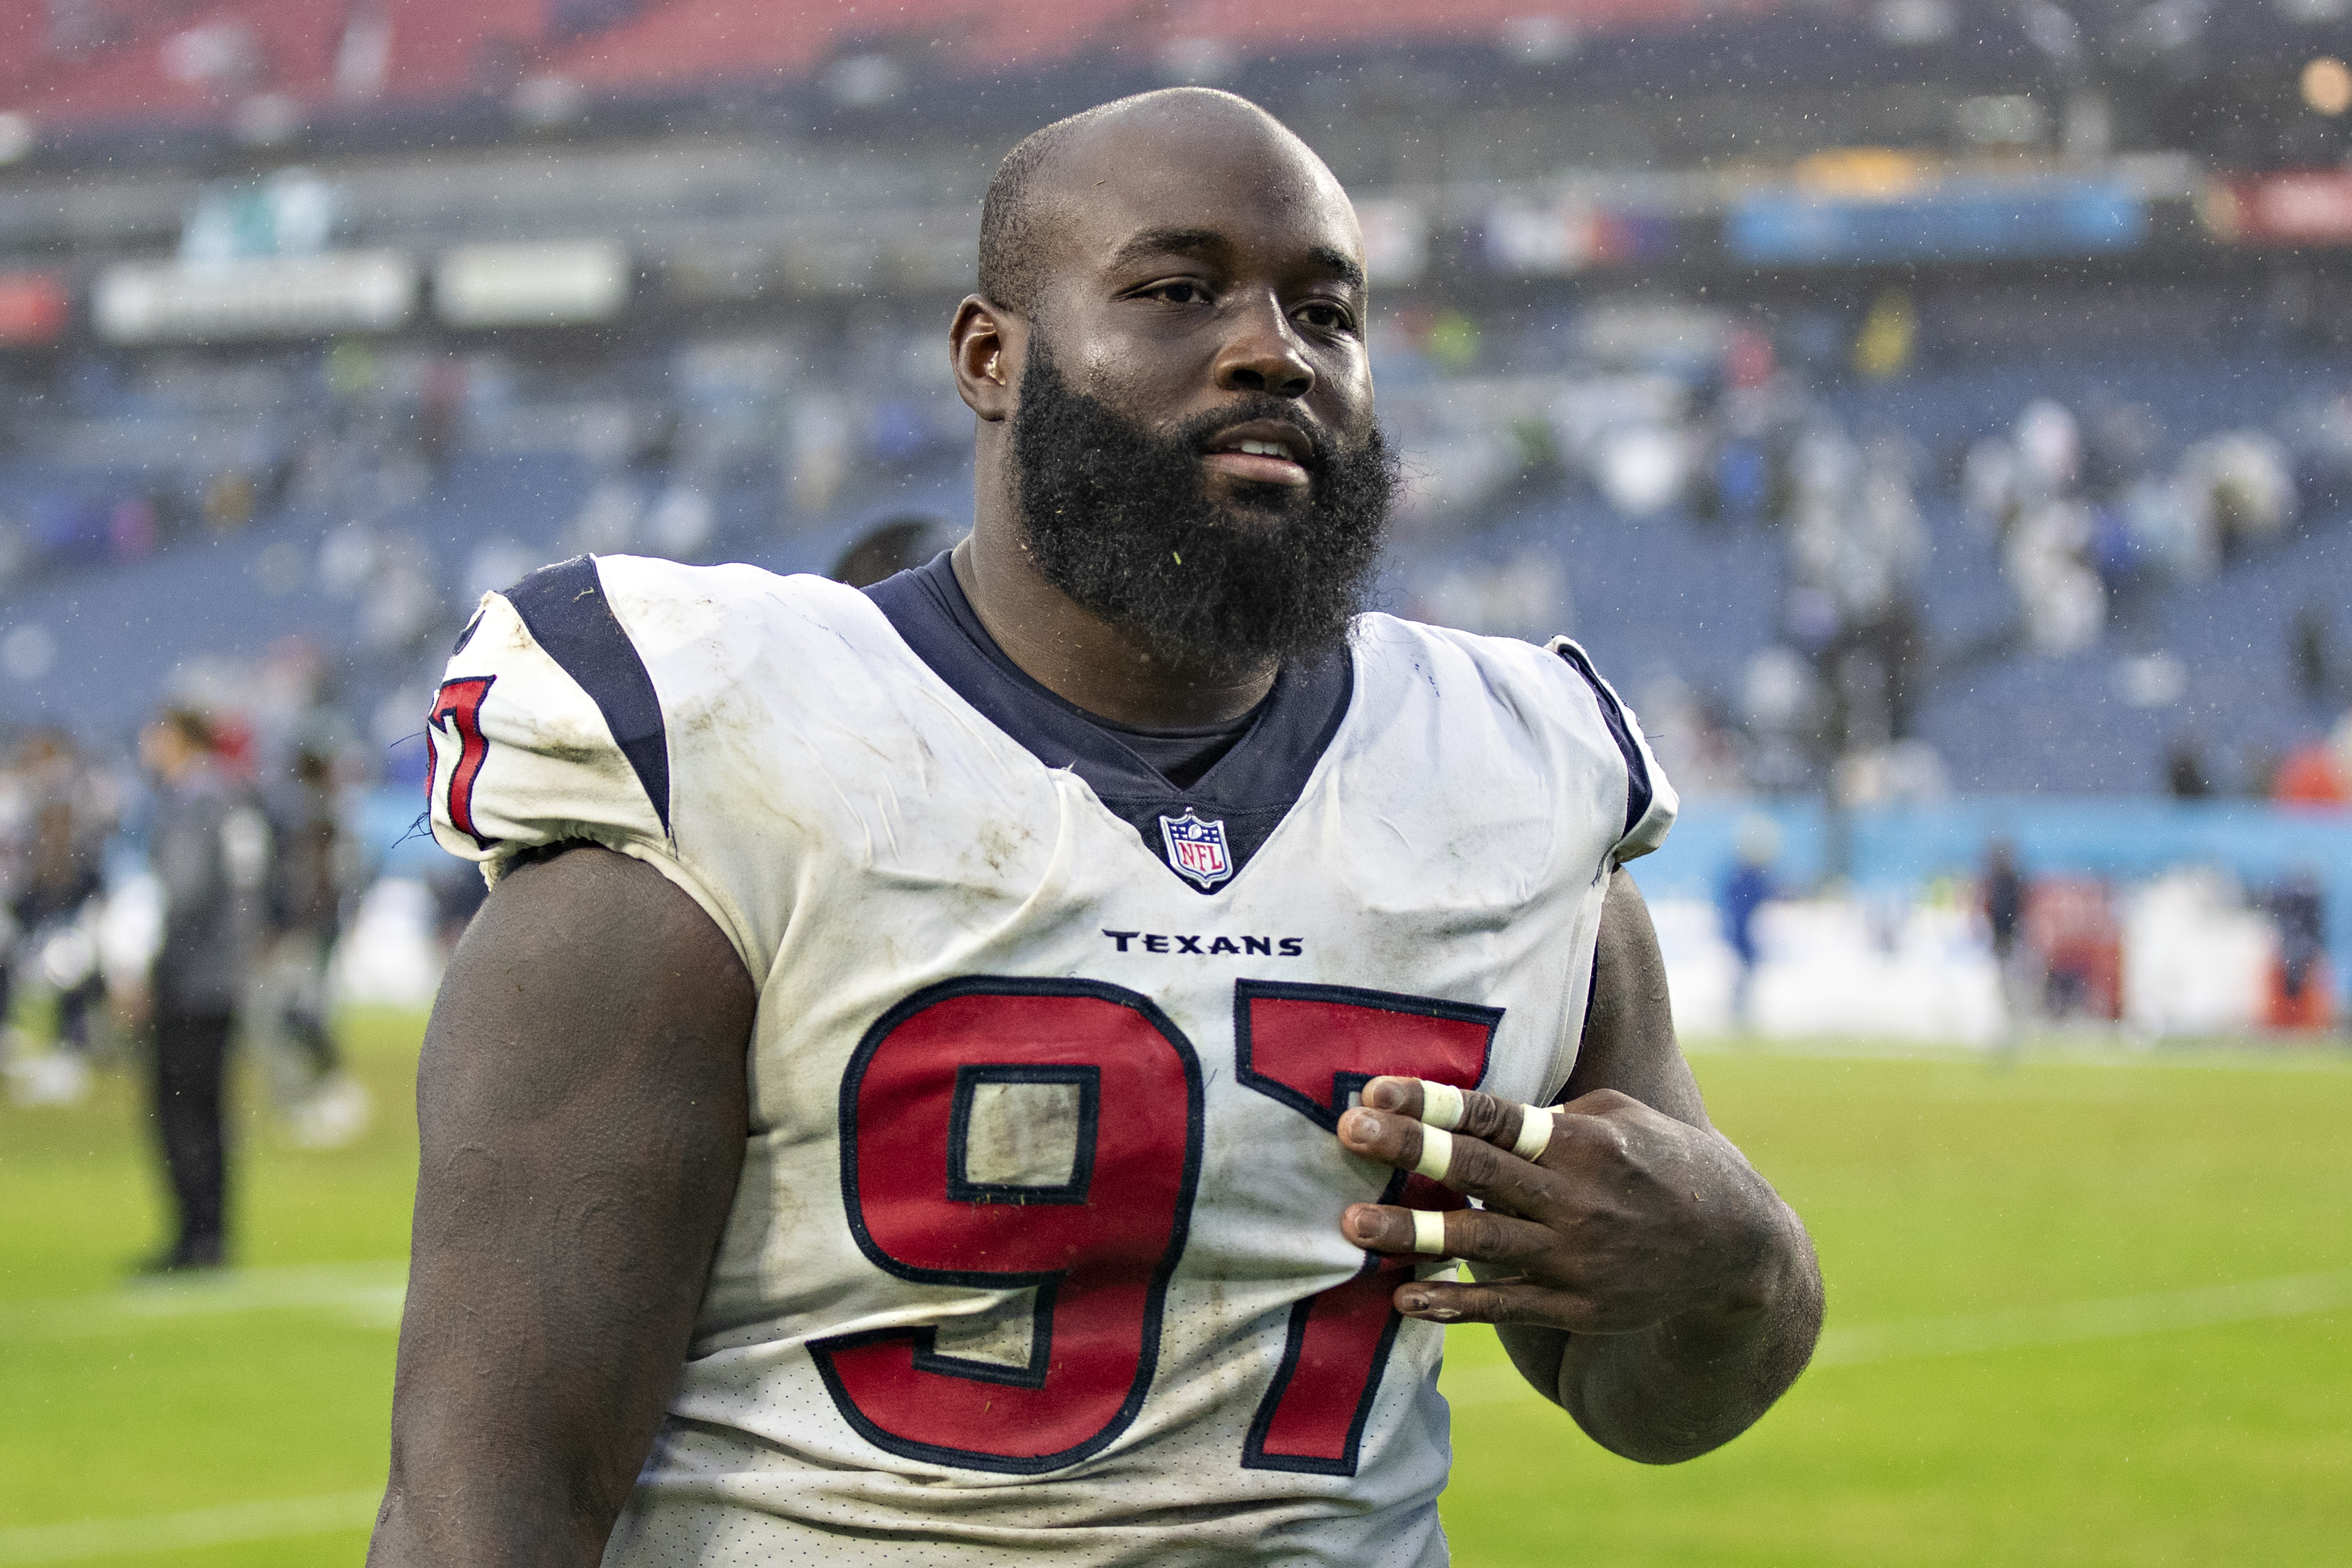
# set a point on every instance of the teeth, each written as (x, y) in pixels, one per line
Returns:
(1264, 449)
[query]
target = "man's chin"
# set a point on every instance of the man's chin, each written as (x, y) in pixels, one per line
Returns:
(1241, 505)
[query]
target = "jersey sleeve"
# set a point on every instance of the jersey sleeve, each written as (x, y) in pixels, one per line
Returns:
(547, 728)
(1650, 800)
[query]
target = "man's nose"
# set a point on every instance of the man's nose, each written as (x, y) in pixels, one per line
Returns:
(1263, 355)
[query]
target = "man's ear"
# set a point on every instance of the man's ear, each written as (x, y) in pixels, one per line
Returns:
(987, 345)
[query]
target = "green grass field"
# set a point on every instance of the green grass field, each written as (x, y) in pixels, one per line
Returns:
(2084, 1310)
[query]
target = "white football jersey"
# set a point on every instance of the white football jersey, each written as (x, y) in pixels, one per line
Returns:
(1036, 1255)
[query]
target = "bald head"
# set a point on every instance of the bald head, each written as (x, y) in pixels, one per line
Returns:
(1176, 444)
(1050, 176)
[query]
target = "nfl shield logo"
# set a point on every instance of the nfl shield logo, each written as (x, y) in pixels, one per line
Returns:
(1197, 848)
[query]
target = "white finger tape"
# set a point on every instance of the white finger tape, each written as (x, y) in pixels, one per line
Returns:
(1535, 1126)
(1441, 1104)
(1436, 1152)
(1429, 1232)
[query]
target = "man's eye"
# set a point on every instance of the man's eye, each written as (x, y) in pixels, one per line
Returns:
(1179, 293)
(1324, 317)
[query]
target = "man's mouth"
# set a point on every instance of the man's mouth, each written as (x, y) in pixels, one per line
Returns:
(1261, 452)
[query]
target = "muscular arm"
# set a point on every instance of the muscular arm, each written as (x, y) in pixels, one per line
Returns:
(582, 1106)
(1640, 1271)
(1678, 1388)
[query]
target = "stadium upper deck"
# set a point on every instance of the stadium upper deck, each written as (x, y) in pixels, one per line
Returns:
(102, 76)
(89, 64)
(712, 211)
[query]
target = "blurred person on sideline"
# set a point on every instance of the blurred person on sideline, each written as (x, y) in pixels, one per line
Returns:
(210, 850)
(1745, 892)
(2003, 893)
(890, 548)
(2186, 776)
(15, 854)
(314, 872)
(2299, 992)
(67, 811)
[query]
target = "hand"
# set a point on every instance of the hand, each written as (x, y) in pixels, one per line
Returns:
(1625, 1220)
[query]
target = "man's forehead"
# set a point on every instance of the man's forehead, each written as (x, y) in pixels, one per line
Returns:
(1199, 178)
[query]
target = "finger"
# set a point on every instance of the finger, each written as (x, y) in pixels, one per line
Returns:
(1473, 1234)
(1466, 1165)
(1406, 1096)
(1438, 1302)
(1533, 1134)
(1404, 1142)
(1525, 1130)
(1520, 1301)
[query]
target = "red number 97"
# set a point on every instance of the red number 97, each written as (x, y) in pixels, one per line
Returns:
(1097, 1236)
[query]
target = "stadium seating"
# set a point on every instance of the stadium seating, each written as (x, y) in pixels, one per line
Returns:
(1694, 599)
(173, 65)
(1670, 595)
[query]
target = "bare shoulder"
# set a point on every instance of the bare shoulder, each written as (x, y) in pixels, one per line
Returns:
(605, 929)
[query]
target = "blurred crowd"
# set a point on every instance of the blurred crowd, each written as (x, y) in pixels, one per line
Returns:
(119, 460)
(2086, 519)
(2091, 516)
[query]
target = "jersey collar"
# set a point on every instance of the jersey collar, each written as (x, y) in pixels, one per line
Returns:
(1249, 791)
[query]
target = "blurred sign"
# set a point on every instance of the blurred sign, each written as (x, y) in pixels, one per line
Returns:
(34, 307)
(2310, 206)
(555, 285)
(1985, 222)
(278, 297)
(1869, 173)
(1573, 238)
(291, 213)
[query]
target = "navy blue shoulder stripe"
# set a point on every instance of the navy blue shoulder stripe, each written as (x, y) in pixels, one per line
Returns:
(1638, 789)
(564, 608)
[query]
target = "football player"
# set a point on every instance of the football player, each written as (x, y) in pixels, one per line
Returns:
(997, 1067)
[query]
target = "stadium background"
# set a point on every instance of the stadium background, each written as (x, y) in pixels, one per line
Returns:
(1936, 415)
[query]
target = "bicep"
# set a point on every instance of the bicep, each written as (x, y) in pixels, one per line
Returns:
(590, 1030)
(1629, 1042)
(582, 1106)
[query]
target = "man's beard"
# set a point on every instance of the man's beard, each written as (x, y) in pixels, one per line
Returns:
(1120, 519)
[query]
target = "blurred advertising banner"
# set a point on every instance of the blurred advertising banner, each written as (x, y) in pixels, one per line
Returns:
(1573, 237)
(34, 308)
(2184, 887)
(564, 283)
(1951, 222)
(2305, 207)
(269, 297)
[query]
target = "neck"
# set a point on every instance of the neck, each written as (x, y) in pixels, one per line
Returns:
(1077, 655)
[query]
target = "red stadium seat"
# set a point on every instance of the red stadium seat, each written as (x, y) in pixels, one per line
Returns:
(193, 65)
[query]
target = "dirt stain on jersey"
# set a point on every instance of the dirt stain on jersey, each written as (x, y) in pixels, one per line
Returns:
(999, 843)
